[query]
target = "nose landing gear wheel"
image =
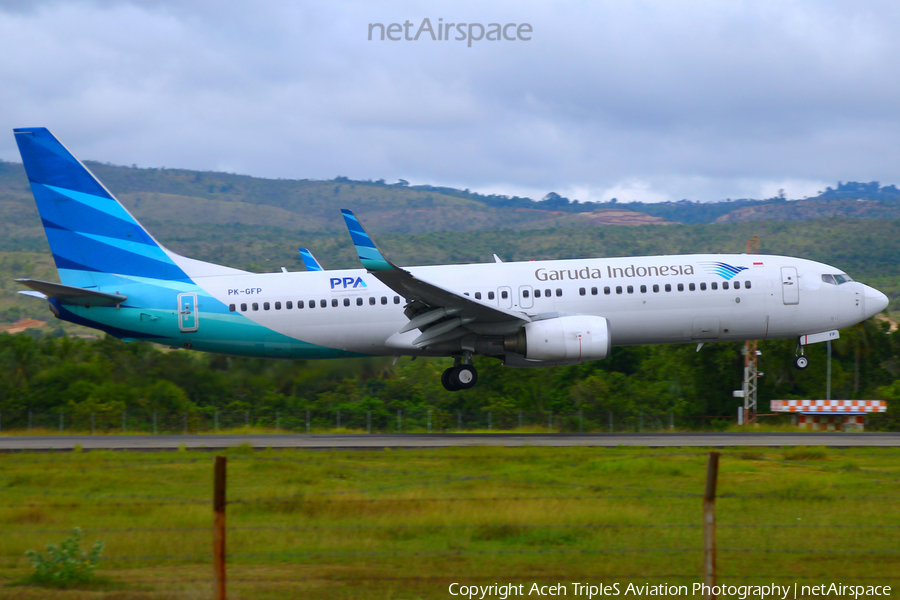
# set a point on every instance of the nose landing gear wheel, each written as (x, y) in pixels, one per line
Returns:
(801, 362)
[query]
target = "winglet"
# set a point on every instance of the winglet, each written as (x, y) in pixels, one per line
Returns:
(309, 261)
(369, 255)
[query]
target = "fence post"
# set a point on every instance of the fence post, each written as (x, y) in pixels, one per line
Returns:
(368, 421)
(30, 421)
(520, 419)
(185, 423)
(580, 421)
(216, 420)
(709, 524)
(338, 418)
(246, 418)
(219, 528)
(641, 425)
(154, 422)
(123, 421)
(550, 421)
(459, 421)
(277, 420)
(399, 422)
(92, 422)
(671, 421)
(610, 422)
(490, 423)
(60, 421)
(429, 421)
(307, 421)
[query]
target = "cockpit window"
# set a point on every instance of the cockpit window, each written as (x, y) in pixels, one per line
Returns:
(836, 279)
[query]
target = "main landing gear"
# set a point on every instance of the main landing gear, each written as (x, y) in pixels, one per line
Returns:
(461, 376)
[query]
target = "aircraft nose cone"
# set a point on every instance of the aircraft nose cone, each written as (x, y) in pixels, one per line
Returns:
(875, 301)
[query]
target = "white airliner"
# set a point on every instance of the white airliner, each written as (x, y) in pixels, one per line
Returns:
(117, 278)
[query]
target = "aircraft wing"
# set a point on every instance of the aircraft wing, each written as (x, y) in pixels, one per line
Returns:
(441, 314)
(309, 261)
(68, 294)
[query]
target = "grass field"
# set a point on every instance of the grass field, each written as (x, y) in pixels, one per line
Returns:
(406, 524)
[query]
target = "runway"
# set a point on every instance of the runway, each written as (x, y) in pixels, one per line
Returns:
(381, 441)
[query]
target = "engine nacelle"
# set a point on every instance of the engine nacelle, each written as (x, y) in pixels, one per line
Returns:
(572, 338)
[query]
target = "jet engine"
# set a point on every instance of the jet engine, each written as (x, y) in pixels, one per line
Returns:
(571, 338)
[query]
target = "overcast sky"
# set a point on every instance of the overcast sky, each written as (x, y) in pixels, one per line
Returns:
(635, 100)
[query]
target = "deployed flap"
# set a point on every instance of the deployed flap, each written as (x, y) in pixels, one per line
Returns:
(67, 294)
(412, 288)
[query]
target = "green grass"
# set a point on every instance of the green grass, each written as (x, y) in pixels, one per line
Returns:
(405, 524)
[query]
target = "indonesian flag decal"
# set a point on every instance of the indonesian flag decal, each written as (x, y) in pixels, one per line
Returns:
(757, 264)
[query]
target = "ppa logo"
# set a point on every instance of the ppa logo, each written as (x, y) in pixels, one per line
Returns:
(347, 283)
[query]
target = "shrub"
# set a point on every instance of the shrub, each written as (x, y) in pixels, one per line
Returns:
(64, 565)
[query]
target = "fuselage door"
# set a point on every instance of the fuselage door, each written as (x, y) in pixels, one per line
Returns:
(790, 285)
(504, 297)
(526, 300)
(188, 319)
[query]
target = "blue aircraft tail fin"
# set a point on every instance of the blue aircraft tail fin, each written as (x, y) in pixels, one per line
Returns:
(89, 231)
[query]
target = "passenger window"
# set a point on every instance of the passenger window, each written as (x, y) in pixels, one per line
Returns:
(691, 287)
(703, 286)
(504, 294)
(359, 301)
(680, 287)
(724, 285)
(299, 303)
(655, 288)
(396, 299)
(478, 295)
(372, 301)
(547, 293)
(537, 293)
(714, 285)
(265, 306)
(737, 285)
(255, 306)
(593, 291)
(278, 306)
(312, 303)
(231, 307)
(558, 292)
(384, 299)
(606, 290)
(582, 291)
(526, 294)
(747, 285)
(289, 305)
(465, 293)
(618, 289)
(334, 302)
(346, 301)
(643, 289)
(630, 289)
(490, 295)
(668, 287)
(243, 307)
(323, 303)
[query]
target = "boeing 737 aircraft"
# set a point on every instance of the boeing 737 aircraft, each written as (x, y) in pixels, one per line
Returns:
(117, 278)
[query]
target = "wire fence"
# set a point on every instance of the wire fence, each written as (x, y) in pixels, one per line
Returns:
(357, 420)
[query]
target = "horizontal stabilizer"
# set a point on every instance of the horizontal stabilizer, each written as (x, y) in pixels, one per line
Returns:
(67, 294)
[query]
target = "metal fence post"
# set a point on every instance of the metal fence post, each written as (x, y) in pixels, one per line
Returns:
(216, 420)
(123, 421)
(185, 423)
(490, 423)
(30, 419)
(520, 419)
(610, 422)
(219, 527)
(550, 421)
(709, 524)
(307, 421)
(92, 422)
(399, 422)
(246, 418)
(458, 421)
(60, 421)
(277, 420)
(429, 421)
(154, 422)
(671, 421)
(580, 419)
(338, 418)
(641, 426)
(368, 421)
